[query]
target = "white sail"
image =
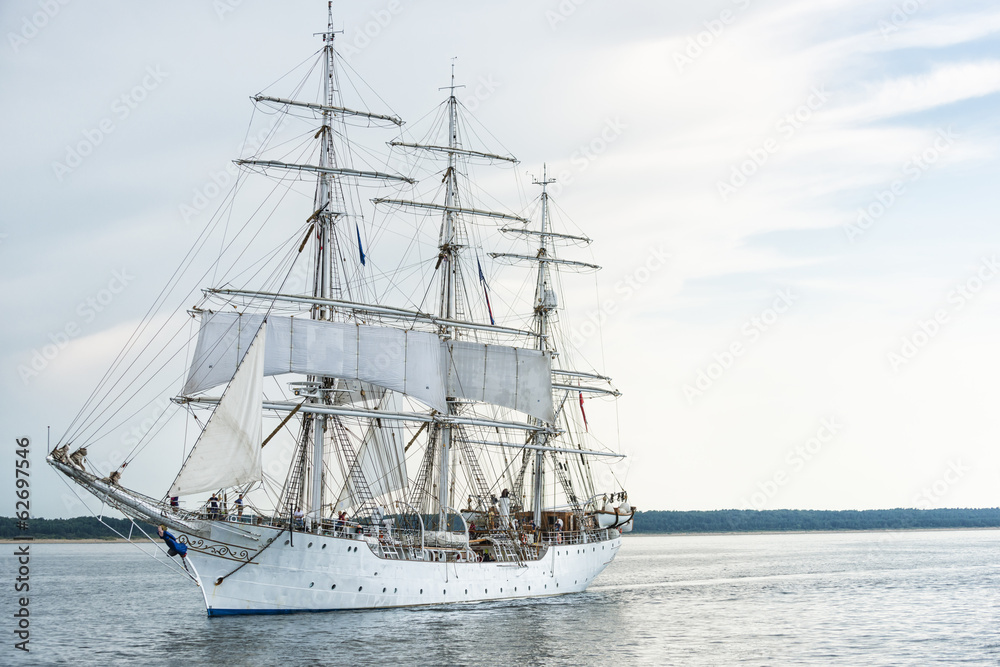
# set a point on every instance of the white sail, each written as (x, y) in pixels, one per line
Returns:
(228, 451)
(409, 362)
(414, 363)
(512, 377)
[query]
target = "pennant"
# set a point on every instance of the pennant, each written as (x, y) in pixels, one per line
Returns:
(582, 412)
(486, 291)
(360, 249)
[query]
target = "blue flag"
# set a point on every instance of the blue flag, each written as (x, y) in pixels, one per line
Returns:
(362, 250)
(486, 291)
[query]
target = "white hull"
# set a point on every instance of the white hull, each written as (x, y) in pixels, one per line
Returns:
(325, 573)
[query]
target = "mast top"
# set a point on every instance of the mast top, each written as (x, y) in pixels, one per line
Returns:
(452, 87)
(330, 32)
(545, 179)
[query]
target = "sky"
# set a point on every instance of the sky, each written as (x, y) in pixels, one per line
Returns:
(794, 204)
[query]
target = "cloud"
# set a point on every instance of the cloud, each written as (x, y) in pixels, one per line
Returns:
(944, 84)
(939, 31)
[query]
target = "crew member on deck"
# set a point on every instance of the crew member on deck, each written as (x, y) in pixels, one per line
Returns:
(213, 507)
(503, 505)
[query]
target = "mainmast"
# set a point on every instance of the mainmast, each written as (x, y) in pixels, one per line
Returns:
(448, 261)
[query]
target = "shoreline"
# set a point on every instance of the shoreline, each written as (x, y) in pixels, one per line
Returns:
(62, 540)
(118, 540)
(810, 532)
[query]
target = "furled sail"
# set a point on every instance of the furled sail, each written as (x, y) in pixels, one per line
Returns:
(228, 451)
(414, 363)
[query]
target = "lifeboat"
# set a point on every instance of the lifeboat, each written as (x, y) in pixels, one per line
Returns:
(616, 517)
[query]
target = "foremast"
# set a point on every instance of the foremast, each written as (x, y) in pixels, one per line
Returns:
(305, 490)
(325, 217)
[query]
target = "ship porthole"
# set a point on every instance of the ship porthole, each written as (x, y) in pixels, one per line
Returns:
(333, 587)
(383, 590)
(394, 590)
(311, 584)
(487, 591)
(466, 591)
(444, 592)
(529, 588)
(286, 542)
(421, 591)
(309, 545)
(359, 588)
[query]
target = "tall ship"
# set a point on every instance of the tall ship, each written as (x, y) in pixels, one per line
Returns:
(381, 403)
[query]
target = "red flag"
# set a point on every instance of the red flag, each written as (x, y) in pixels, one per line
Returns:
(582, 412)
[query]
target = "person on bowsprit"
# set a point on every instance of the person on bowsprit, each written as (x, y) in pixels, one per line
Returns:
(174, 548)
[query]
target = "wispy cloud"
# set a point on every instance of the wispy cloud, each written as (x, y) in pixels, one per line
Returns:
(944, 84)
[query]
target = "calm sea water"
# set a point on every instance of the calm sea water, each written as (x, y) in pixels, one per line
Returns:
(913, 598)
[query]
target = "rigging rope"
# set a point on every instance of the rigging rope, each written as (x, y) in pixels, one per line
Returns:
(170, 565)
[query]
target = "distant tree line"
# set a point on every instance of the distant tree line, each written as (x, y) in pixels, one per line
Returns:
(654, 521)
(748, 521)
(79, 528)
